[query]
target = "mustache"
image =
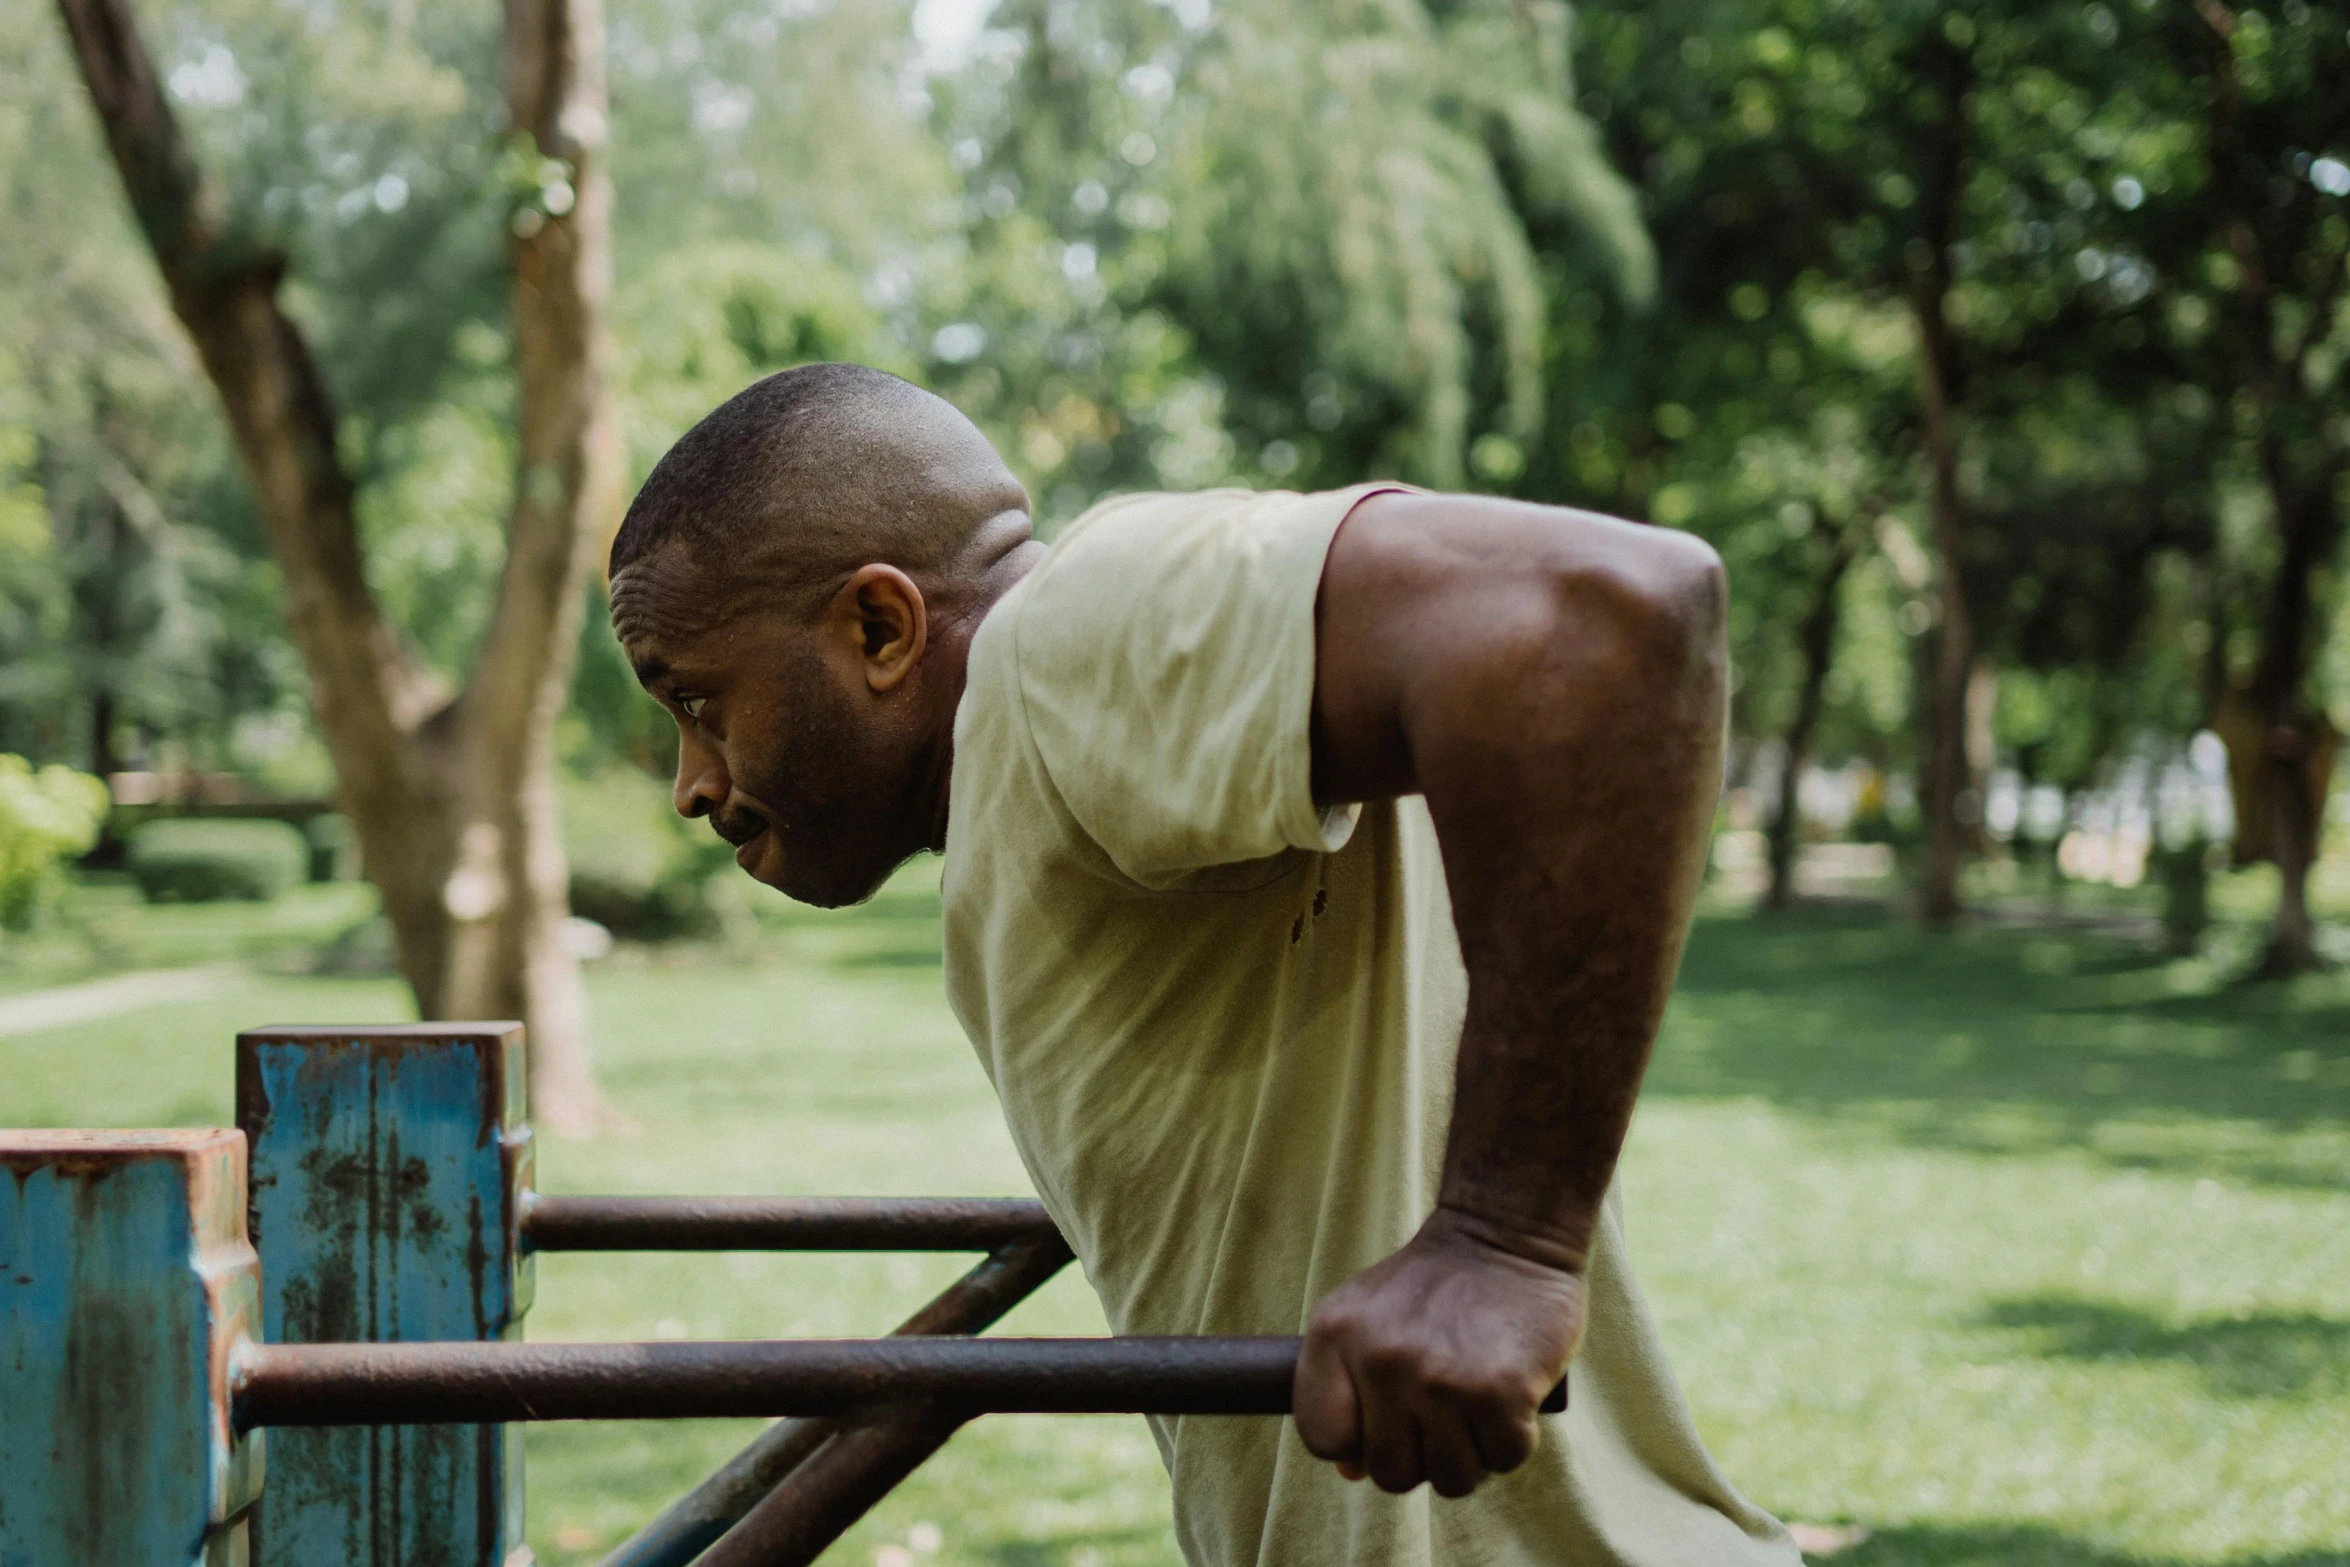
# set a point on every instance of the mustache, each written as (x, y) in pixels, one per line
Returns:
(737, 827)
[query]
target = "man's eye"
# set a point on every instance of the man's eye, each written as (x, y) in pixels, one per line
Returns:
(691, 706)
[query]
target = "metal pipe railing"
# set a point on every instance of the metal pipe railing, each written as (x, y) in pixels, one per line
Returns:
(817, 1502)
(551, 1223)
(477, 1383)
(463, 1383)
(694, 1522)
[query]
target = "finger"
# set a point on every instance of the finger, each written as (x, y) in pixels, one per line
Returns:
(1449, 1453)
(1505, 1437)
(1327, 1410)
(1391, 1436)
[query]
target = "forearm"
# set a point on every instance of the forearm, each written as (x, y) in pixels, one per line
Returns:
(1552, 682)
(1573, 813)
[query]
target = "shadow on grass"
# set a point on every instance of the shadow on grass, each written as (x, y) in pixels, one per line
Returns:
(2263, 1355)
(2008, 1040)
(2024, 1546)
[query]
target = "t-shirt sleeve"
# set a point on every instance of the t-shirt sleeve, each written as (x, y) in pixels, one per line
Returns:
(1165, 653)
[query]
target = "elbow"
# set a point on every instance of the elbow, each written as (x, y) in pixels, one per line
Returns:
(1686, 590)
(1655, 611)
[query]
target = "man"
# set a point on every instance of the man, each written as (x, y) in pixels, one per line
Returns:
(1282, 834)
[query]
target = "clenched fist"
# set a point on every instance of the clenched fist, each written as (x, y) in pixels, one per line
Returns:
(1430, 1366)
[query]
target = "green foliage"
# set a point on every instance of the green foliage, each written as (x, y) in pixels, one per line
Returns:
(637, 868)
(704, 322)
(46, 818)
(1656, 260)
(197, 860)
(128, 620)
(1269, 242)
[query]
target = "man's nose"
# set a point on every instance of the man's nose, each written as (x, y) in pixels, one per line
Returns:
(702, 783)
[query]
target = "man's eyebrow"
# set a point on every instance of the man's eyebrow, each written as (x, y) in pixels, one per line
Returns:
(648, 669)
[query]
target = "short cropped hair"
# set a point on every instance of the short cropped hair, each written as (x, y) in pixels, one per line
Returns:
(735, 478)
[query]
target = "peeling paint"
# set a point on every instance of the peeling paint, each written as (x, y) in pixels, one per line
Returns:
(386, 1168)
(125, 1285)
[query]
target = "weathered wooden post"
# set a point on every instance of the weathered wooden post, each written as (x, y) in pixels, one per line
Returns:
(388, 1167)
(125, 1286)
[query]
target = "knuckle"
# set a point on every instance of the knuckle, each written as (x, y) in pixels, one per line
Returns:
(1334, 1319)
(1322, 1443)
(1499, 1391)
(1511, 1450)
(1324, 1435)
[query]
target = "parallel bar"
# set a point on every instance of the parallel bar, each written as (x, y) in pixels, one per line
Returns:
(364, 1384)
(414, 1384)
(817, 1502)
(692, 1523)
(781, 1223)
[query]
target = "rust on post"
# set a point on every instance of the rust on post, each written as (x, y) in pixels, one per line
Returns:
(387, 1170)
(126, 1287)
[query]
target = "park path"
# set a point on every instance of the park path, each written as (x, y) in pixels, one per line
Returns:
(55, 1008)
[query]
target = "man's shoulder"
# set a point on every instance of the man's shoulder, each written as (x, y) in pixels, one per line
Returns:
(1107, 544)
(1161, 561)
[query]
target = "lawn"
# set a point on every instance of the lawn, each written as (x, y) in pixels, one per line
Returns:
(2013, 1247)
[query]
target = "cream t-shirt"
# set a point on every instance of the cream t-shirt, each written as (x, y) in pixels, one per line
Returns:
(1222, 1023)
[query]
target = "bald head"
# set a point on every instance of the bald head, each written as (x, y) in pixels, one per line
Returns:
(785, 489)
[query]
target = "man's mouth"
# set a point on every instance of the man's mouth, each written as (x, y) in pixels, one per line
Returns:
(737, 829)
(743, 829)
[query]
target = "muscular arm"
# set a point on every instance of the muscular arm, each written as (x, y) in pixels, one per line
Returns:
(1553, 682)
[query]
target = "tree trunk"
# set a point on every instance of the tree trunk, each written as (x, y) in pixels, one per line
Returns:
(1954, 654)
(2295, 811)
(452, 798)
(2306, 521)
(1939, 396)
(1818, 642)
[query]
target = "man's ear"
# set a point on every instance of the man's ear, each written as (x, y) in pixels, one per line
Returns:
(883, 609)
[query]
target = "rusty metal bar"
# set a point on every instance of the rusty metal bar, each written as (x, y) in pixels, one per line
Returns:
(781, 1223)
(818, 1501)
(470, 1383)
(695, 1521)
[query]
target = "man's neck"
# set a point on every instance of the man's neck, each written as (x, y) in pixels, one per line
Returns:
(960, 627)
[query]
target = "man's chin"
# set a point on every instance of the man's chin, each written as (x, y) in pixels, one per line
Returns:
(762, 859)
(818, 886)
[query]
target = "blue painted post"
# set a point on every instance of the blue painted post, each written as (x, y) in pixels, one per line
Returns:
(388, 1165)
(125, 1285)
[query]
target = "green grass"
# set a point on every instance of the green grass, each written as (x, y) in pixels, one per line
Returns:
(106, 928)
(2017, 1248)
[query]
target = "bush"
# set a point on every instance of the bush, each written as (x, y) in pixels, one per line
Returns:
(46, 818)
(334, 848)
(197, 861)
(636, 868)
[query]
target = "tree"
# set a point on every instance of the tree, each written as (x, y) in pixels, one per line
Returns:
(451, 795)
(1272, 242)
(2276, 138)
(120, 638)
